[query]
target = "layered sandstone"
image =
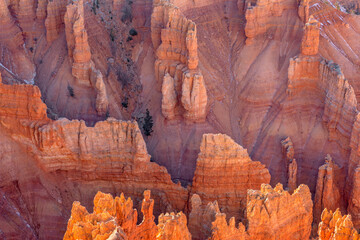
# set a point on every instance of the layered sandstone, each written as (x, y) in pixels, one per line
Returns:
(173, 227)
(102, 102)
(328, 193)
(303, 10)
(335, 226)
(117, 219)
(354, 200)
(310, 40)
(176, 68)
(224, 172)
(112, 219)
(222, 230)
(288, 151)
(325, 85)
(261, 15)
(270, 212)
(112, 150)
(9, 28)
(201, 217)
(77, 42)
(55, 18)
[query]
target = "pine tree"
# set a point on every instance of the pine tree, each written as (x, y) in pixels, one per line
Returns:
(148, 123)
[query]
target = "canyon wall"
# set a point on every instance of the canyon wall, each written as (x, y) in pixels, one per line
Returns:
(224, 172)
(176, 68)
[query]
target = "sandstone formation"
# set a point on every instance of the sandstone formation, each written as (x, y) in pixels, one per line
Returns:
(288, 150)
(77, 42)
(261, 16)
(222, 230)
(201, 217)
(224, 172)
(173, 227)
(310, 41)
(112, 219)
(303, 10)
(116, 219)
(354, 200)
(270, 212)
(176, 68)
(328, 193)
(169, 98)
(102, 102)
(55, 18)
(335, 226)
(110, 151)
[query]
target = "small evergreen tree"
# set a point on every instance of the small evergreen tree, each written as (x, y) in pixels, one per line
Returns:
(148, 124)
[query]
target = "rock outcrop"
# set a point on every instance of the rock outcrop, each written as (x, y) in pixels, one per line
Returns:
(327, 189)
(303, 10)
(335, 226)
(310, 40)
(55, 19)
(261, 16)
(222, 230)
(116, 219)
(224, 172)
(270, 213)
(176, 68)
(173, 227)
(102, 102)
(323, 82)
(288, 151)
(201, 217)
(112, 150)
(112, 219)
(77, 42)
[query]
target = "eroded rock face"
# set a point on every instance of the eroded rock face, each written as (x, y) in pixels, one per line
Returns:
(175, 41)
(335, 226)
(261, 16)
(310, 41)
(201, 217)
(327, 189)
(112, 219)
(222, 230)
(173, 227)
(77, 42)
(270, 212)
(288, 151)
(224, 172)
(116, 219)
(55, 18)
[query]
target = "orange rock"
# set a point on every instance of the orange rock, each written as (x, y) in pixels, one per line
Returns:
(327, 189)
(310, 41)
(261, 16)
(288, 151)
(224, 172)
(169, 98)
(77, 41)
(335, 226)
(9, 28)
(55, 14)
(173, 227)
(271, 213)
(194, 97)
(175, 41)
(116, 219)
(102, 102)
(303, 10)
(221, 230)
(201, 217)
(354, 200)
